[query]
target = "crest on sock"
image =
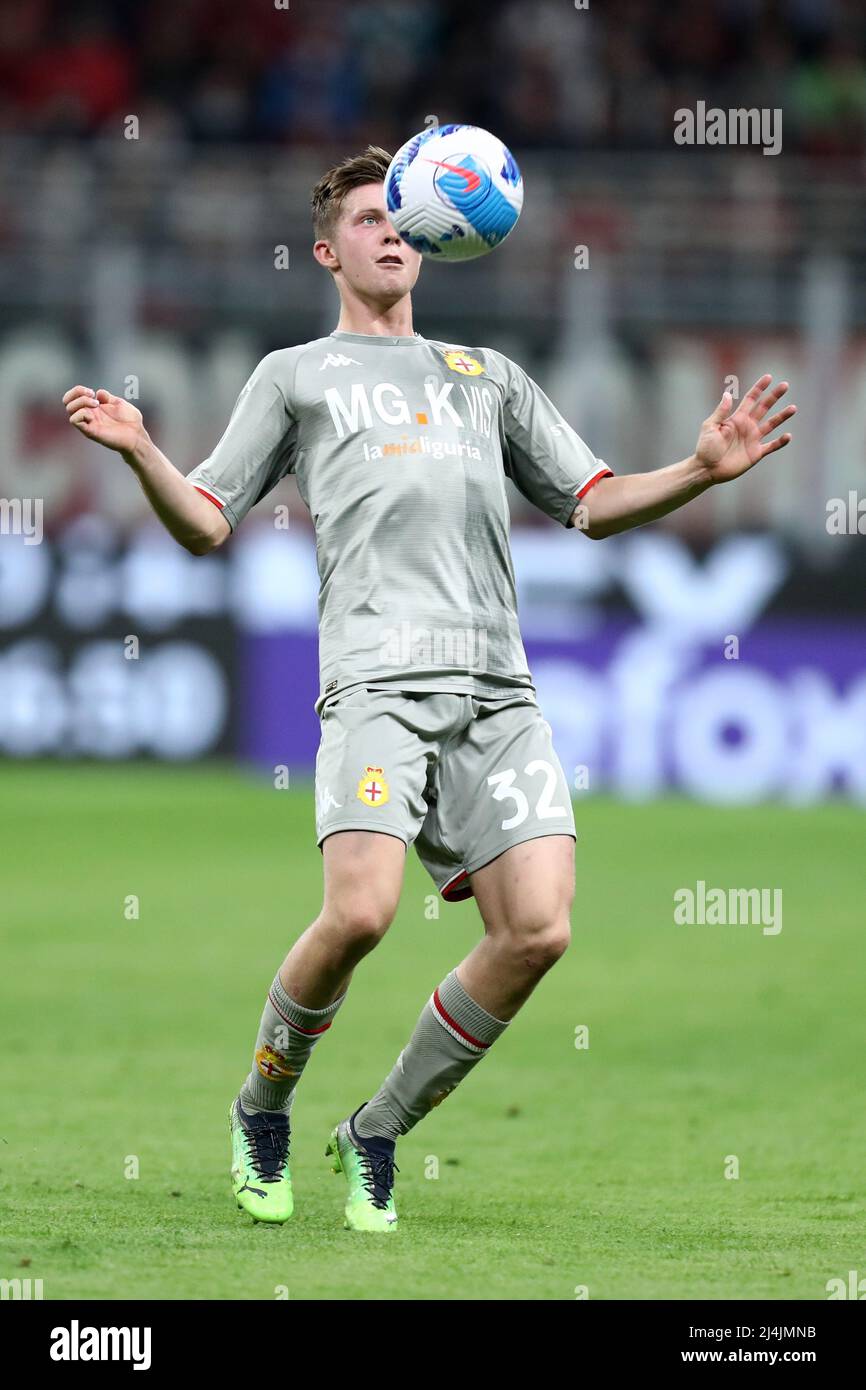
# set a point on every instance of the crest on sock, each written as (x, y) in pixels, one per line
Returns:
(272, 1064)
(440, 1096)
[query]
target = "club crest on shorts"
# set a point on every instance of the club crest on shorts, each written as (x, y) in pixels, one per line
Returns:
(462, 362)
(372, 788)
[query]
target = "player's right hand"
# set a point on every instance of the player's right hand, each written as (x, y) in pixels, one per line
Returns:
(104, 418)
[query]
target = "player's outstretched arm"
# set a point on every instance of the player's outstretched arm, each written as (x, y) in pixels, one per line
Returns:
(108, 420)
(729, 444)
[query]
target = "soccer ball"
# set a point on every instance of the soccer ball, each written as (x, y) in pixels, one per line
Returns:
(453, 192)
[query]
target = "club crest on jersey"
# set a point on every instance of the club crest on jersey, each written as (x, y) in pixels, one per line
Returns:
(463, 363)
(372, 788)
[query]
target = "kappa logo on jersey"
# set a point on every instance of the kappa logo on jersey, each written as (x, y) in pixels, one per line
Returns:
(387, 403)
(336, 359)
(372, 788)
(462, 362)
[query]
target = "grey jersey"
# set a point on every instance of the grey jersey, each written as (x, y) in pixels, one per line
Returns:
(400, 447)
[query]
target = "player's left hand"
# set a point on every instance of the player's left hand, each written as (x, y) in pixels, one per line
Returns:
(733, 441)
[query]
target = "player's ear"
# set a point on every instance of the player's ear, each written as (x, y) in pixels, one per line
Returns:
(326, 255)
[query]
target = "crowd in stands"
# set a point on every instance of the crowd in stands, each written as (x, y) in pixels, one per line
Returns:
(541, 73)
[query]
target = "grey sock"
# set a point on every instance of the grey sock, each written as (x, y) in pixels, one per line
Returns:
(452, 1034)
(287, 1035)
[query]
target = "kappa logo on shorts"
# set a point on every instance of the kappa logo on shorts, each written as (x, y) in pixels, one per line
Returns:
(325, 802)
(372, 788)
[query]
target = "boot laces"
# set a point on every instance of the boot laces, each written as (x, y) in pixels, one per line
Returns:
(268, 1143)
(378, 1179)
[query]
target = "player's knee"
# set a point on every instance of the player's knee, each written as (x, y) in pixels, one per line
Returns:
(542, 942)
(553, 942)
(362, 922)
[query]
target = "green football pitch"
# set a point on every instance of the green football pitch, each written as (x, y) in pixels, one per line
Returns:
(707, 1143)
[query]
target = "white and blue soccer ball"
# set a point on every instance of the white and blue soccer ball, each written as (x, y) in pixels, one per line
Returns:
(453, 192)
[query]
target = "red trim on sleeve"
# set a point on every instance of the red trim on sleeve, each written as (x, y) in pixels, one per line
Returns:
(600, 473)
(209, 495)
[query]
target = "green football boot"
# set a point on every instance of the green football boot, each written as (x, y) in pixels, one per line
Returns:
(261, 1180)
(369, 1168)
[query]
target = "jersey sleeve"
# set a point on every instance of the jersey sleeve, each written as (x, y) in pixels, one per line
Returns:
(544, 457)
(257, 448)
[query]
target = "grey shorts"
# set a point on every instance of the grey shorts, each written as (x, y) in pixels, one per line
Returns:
(462, 777)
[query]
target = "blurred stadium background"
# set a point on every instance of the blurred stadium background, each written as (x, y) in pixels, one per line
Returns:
(155, 168)
(155, 159)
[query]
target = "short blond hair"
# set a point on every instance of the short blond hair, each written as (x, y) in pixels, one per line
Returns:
(330, 192)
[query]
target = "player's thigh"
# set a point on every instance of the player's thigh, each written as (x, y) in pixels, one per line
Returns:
(363, 873)
(371, 771)
(506, 806)
(527, 891)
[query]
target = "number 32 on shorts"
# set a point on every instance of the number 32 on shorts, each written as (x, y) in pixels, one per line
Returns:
(503, 782)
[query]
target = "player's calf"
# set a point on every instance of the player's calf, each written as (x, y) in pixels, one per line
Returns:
(452, 1035)
(288, 1032)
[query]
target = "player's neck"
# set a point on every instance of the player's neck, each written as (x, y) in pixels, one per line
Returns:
(386, 321)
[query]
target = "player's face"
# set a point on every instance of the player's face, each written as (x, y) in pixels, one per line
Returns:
(372, 256)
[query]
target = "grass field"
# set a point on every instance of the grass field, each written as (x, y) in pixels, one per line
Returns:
(602, 1167)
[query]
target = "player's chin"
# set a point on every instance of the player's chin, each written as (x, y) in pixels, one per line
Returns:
(394, 280)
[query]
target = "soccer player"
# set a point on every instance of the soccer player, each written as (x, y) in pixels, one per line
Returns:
(431, 731)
